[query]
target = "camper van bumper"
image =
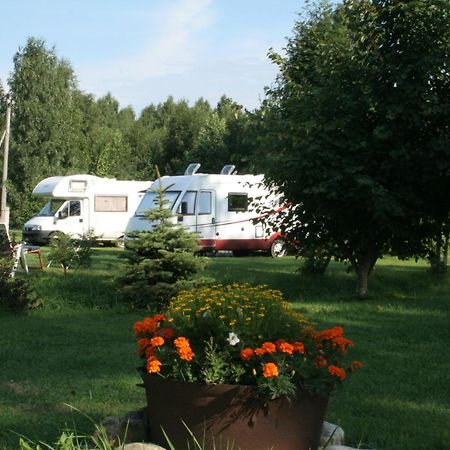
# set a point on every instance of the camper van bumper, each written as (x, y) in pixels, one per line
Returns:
(36, 237)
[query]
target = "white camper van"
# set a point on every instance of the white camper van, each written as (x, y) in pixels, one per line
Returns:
(84, 203)
(217, 207)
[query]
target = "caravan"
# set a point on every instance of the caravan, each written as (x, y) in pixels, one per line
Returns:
(80, 204)
(219, 208)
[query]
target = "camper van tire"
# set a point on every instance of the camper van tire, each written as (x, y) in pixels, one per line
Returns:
(278, 248)
(120, 243)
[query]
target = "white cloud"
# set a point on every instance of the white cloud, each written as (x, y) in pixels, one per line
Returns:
(172, 48)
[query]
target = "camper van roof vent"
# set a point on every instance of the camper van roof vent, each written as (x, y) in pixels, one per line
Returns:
(192, 169)
(228, 169)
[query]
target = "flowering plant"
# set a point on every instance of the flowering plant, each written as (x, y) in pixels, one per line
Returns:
(239, 334)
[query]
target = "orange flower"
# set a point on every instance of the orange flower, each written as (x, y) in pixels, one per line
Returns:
(166, 332)
(285, 347)
(159, 317)
(153, 365)
(259, 351)
(270, 370)
(342, 343)
(157, 341)
(269, 347)
(332, 333)
(181, 342)
(150, 351)
(146, 326)
(184, 349)
(186, 354)
(247, 354)
(355, 365)
(298, 347)
(337, 372)
(321, 361)
(143, 343)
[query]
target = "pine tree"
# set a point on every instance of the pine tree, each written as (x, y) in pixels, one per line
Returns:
(162, 262)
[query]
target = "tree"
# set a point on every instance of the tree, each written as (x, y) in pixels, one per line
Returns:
(162, 261)
(356, 129)
(46, 123)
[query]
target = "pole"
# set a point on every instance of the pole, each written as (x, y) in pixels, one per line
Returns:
(3, 208)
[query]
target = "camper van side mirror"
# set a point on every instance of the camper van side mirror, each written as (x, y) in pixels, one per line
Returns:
(184, 208)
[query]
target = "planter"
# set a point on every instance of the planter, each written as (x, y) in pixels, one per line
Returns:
(230, 415)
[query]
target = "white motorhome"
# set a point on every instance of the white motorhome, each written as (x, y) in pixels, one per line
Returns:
(216, 206)
(79, 204)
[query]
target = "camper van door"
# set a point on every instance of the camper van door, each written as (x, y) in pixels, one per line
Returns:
(196, 213)
(70, 218)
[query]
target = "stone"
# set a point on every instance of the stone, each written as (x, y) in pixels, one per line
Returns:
(141, 446)
(331, 435)
(130, 428)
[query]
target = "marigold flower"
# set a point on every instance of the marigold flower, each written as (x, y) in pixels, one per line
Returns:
(355, 365)
(166, 332)
(143, 343)
(260, 351)
(150, 351)
(153, 365)
(157, 341)
(337, 372)
(298, 347)
(247, 354)
(181, 342)
(342, 343)
(145, 326)
(186, 354)
(270, 370)
(269, 347)
(285, 347)
(332, 333)
(321, 361)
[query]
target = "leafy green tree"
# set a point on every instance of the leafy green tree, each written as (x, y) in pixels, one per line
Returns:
(161, 262)
(46, 124)
(357, 129)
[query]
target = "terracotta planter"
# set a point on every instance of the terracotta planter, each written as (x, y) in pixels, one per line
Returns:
(230, 415)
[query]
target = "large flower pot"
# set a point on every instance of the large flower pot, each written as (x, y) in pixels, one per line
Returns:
(230, 415)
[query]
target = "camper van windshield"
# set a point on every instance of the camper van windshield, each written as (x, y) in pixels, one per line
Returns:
(51, 207)
(150, 201)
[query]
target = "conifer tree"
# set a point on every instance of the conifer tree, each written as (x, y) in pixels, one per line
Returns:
(161, 261)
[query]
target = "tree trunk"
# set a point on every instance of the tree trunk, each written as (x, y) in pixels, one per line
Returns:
(364, 268)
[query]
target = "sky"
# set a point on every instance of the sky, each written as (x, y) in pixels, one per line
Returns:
(142, 51)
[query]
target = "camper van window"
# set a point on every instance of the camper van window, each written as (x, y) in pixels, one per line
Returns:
(204, 202)
(187, 205)
(110, 203)
(150, 201)
(237, 202)
(71, 209)
(50, 208)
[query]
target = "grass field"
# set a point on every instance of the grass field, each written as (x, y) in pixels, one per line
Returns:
(79, 349)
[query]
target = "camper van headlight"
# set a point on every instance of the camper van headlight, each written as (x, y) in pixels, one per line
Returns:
(35, 228)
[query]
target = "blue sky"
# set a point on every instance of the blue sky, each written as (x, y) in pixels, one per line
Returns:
(142, 51)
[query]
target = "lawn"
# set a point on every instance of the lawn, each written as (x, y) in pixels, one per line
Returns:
(79, 349)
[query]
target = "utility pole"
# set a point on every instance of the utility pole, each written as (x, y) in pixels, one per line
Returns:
(4, 210)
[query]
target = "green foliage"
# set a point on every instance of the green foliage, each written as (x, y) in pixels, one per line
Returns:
(67, 251)
(356, 129)
(16, 294)
(239, 334)
(161, 261)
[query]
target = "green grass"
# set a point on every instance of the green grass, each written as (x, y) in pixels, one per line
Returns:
(79, 349)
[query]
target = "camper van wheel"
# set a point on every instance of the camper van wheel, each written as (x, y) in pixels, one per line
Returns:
(119, 243)
(52, 237)
(278, 248)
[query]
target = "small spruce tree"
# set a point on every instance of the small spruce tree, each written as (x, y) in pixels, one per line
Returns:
(162, 262)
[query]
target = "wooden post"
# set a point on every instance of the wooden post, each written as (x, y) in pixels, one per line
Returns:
(4, 211)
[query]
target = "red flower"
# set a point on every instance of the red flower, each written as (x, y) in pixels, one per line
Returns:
(337, 372)
(247, 354)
